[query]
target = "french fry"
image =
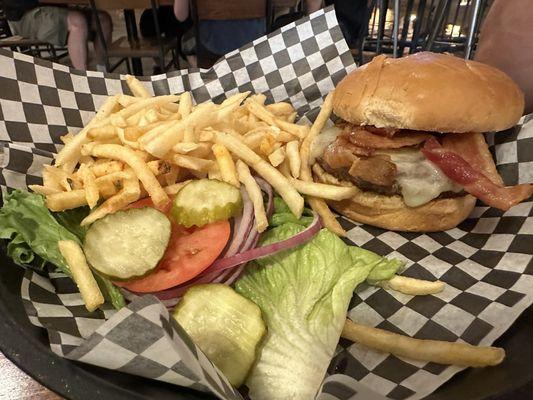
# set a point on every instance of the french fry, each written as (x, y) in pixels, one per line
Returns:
(263, 168)
(187, 147)
(171, 177)
(280, 108)
(263, 114)
(225, 164)
(87, 160)
(412, 286)
(89, 182)
(214, 173)
(441, 352)
(50, 182)
(300, 131)
(317, 126)
(327, 216)
(81, 274)
(185, 106)
(107, 188)
(193, 163)
(277, 157)
(102, 132)
(151, 115)
(118, 121)
(254, 139)
(106, 167)
(67, 138)
(129, 193)
(318, 205)
(259, 98)
(66, 200)
(171, 107)
(293, 155)
(159, 167)
(175, 188)
(70, 153)
(44, 190)
(235, 99)
(292, 117)
(137, 87)
(285, 137)
(163, 143)
(267, 145)
(133, 133)
(323, 191)
(122, 139)
(139, 167)
(254, 192)
(124, 100)
(156, 131)
(59, 176)
(188, 134)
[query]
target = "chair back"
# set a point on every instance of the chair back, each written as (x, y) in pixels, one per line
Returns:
(4, 25)
(230, 10)
(123, 4)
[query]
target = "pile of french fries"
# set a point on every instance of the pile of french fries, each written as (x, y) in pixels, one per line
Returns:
(139, 146)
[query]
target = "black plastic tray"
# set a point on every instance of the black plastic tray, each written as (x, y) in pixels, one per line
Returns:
(27, 346)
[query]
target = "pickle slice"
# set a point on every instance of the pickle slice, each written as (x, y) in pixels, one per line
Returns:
(127, 244)
(205, 201)
(226, 326)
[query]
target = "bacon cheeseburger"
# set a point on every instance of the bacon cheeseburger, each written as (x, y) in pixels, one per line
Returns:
(411, 140)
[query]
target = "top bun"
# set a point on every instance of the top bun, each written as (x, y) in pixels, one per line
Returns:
(429, 92)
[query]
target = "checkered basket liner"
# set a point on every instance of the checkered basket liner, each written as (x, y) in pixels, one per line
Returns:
(486, 261)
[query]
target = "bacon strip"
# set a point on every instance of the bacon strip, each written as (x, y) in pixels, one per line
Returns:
(363, 138)
(474, 182)
(475, 151)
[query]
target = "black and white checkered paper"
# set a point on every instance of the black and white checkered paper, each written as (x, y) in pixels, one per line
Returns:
(486, 262)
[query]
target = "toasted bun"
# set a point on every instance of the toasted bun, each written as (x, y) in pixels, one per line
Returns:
(391, 212)
(429, 92)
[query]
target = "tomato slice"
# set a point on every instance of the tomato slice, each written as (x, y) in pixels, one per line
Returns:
(189, 252)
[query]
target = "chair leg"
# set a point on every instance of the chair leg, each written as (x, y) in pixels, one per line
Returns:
(128, 66)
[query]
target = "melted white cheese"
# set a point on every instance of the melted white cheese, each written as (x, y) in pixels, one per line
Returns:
(420, 180)
(322, 141)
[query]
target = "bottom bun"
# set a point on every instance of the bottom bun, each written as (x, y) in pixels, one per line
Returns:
(390, 212)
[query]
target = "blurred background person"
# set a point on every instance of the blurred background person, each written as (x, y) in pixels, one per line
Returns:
(60, 27)
(168, 24)
(506, 42)
(219, 36)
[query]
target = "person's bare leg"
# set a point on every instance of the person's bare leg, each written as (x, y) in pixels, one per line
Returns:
(107, 30)
(77, 39)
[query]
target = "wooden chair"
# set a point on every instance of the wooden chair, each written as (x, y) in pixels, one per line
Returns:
(225, 10)
(130, 48)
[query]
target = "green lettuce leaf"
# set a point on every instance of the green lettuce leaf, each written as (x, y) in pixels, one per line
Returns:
(304, 294)
(32, 232)
(71, 219)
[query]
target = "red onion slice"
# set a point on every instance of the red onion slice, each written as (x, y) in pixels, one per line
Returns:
(243, 224)
(303, 237)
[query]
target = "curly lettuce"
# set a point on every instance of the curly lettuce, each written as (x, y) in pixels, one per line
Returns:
(304, 294)
(32, 233)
